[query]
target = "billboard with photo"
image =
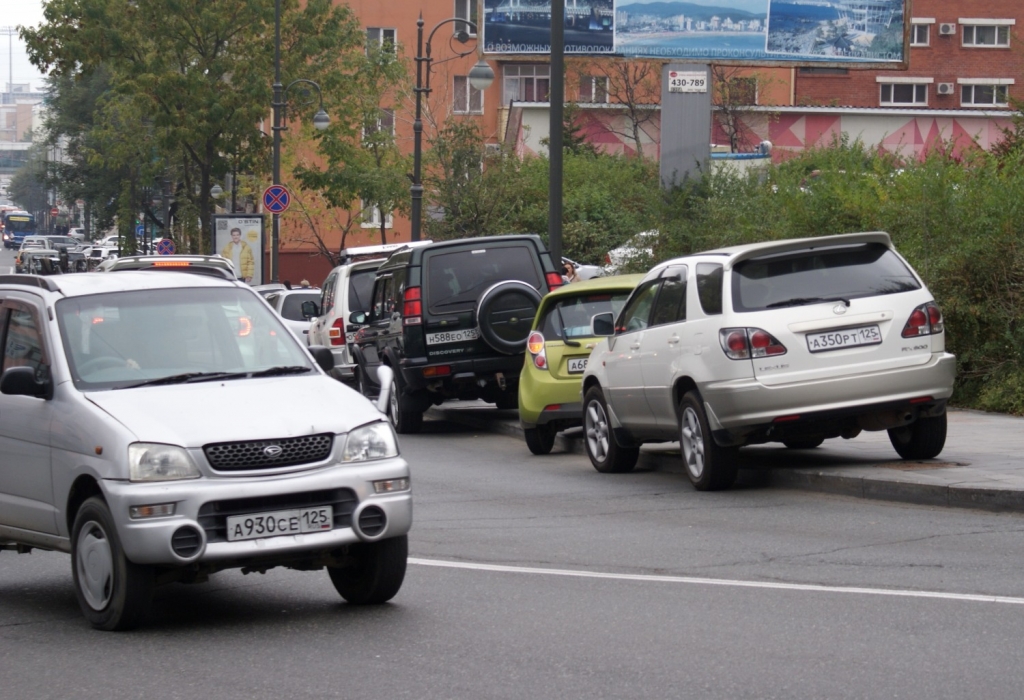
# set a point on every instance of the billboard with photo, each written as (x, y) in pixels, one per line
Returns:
(239, 238)
(741, 31)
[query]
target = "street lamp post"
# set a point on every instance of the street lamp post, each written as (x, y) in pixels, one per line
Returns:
(480, 77)
(321, 121)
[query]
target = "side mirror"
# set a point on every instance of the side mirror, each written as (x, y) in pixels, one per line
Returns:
(602, 324)
(310, 309)
(384, 375)
(23, 381)
(358, 318)
(323, 357)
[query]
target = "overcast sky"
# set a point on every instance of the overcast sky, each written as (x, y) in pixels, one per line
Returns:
(16, 13)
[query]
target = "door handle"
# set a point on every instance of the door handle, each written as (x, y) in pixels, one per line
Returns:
(673, 340)
(634, 346)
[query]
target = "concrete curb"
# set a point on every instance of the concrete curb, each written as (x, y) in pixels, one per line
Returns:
(839, 481)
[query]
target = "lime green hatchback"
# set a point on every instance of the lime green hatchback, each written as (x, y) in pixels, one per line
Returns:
(557, 350)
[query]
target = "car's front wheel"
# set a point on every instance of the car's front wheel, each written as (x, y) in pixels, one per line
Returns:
(541, 439)
(710, 466)
(375, 573)
(922, 439)
(114, 593)
(605, 454)
(406, 420)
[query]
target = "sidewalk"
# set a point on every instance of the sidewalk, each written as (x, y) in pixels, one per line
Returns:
(982, 465)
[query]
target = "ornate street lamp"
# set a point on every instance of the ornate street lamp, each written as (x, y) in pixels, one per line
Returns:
(321, 120)
(480, 78)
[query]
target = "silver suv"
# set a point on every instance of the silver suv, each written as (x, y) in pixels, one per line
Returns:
(162, 427)
(791, 341)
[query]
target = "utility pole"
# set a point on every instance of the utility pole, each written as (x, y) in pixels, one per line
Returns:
(10, 32)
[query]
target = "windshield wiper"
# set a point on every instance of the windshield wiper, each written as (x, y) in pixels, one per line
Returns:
(277, 371)
(188, 378)
(800, 301)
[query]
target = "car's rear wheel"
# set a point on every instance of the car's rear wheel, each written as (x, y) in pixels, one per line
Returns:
(922, 439)
(541, 439)
(376, 572)
(809, 444)
(605, 454)
(405, 418)
(710, 466)
(113, 593)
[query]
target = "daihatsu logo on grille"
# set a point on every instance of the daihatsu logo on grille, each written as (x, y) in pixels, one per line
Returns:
(273, 450)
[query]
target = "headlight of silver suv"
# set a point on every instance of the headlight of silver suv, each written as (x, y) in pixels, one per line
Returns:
(150, 461)
(373, 441)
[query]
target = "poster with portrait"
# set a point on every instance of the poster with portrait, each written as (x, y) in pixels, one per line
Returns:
(239, 238)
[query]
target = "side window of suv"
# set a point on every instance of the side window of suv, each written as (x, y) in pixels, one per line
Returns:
(709, 287)
(383, 298)
(327, 295)
(636, 315)
(23, 341)
(671, 303)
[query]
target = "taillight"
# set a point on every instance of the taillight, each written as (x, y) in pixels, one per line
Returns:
(412, 307)
(336, 333)
(554, 280)
(747, 343)
(926, 319)
(535, 344)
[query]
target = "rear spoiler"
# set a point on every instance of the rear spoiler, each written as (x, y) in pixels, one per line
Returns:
(811, 244)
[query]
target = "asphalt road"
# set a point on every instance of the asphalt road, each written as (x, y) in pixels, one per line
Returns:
(540, 578)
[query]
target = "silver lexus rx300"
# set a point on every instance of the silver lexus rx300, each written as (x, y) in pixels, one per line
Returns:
(793, 341)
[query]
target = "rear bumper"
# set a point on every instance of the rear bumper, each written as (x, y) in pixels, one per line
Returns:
(538, 390)
(463, 374)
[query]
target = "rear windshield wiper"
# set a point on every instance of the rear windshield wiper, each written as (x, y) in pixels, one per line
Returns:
(188, 378)
(800, 301)
(276, 371)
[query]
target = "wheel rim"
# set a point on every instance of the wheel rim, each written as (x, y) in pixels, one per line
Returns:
(95, 563)
(692, 443)
(393, 403)
(597, 431)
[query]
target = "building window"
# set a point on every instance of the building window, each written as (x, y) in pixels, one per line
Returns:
(904, 94)
(383, 37)
(823, 71)
(986, 35)
(594, 88)
(466, 9)
(920, 34)
(526, 83)
(984, 95)
(467, 99)
(371, 216)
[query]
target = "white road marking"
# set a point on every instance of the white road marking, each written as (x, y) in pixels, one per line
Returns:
(967, 597)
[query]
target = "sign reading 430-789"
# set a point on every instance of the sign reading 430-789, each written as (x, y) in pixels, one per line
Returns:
(687, 81)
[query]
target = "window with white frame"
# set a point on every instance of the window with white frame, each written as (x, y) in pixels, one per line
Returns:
(986, 35)
(594, 88)
(980, 93)
(466, 98)
(383, 37)
(525, 83)
(920, 34)
(385, 123)
(904, 94)
(371, 216)
(466, 9)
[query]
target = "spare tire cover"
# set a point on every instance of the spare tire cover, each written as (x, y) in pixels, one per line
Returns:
(505, 314)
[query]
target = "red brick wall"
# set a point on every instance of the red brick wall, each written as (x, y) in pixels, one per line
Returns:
(945, 59)
(297, 266)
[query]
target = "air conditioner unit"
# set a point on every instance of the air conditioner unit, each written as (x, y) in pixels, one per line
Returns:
(945, 88)
(947, 28)
(492, 148)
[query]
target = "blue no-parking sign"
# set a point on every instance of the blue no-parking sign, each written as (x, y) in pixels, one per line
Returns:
(165, 246)
(276, 198)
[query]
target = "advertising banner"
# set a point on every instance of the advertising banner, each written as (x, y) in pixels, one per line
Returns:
(741, 31)
(239, 238)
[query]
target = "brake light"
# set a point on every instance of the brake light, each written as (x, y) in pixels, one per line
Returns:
(554, 280)
(438, 371)
(412, 307)
(535, 344)
(748, 343)
(336, 333)
(926, 319)
(171, 263)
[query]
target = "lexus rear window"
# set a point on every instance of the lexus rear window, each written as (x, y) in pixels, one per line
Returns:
(456, 280)
(360, 288)
(812, 276)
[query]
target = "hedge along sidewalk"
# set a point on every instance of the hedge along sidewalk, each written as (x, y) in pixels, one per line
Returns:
(982, 465)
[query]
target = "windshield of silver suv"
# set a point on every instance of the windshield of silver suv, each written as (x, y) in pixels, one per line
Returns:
(813, 276)
(168, 336)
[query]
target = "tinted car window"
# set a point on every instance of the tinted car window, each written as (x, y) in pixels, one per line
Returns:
(671, 304)
(292, 306)
(360, 287)
(709, 287)
(570, 317)
(793, 278)
(456, 280)
(638, 312)
(24, 345)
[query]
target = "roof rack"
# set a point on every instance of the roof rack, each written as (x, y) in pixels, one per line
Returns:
(373, 252)
(30, 281)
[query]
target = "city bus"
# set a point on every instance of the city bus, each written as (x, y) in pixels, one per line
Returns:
(17, 225)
